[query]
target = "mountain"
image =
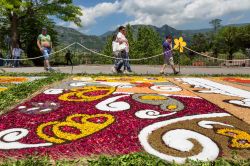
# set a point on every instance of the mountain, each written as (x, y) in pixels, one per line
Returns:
(69, 35)
(163, 31)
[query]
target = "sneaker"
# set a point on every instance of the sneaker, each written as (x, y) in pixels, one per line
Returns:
(127, 72)
(119, 71)
(50, 69)
(130, 71)
(114, 70)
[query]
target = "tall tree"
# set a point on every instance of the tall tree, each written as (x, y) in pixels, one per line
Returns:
(131, 40)
(199, 42)
(28, 29)
(229, 38)
(17, 10)
(145, 43)
(244, 33)
(4, 31)
(216, 23)
(148, 43)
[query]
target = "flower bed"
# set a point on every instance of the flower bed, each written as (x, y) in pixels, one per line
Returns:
(106, 115)
(9, 80)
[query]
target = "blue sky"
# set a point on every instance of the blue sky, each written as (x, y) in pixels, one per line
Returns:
(100, 16)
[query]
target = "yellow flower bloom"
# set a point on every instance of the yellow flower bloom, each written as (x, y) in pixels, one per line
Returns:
(6, 79)
(151, 97)
(179, 44)
(2, 89)
(240, 139)
(131, 79)
(172, 107)
(79, 94)
(41, 134)
(85, 127)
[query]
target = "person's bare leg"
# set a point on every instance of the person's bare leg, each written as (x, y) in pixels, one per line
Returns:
(174, 70)
(45, 65)
(163, 68)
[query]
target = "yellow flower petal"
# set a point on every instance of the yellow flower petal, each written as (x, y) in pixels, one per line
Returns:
(181, 49)
(176, 47)
(179, 44)
(180, 39)
(176, 42)
(183, 44)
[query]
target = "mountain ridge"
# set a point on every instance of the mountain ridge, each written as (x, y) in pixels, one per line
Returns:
(97, 42)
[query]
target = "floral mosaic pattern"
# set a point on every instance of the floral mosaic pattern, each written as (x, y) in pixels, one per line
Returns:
(234, 99)
(240, 81)
(4, 80)
(120, 115)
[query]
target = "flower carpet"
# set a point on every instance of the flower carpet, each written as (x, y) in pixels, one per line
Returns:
(5, 81)
(174, 119)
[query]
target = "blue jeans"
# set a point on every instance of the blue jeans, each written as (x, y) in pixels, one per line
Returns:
(46, 53)
(126, 62)
(16, 61)
(118, 62)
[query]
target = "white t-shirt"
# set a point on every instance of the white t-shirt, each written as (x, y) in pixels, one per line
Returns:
(124, 45)
(115, 46)
(17, 52)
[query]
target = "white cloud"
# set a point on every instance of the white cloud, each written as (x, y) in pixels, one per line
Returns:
(91, 14)
(100, 10)
(236, 19)
(160, 12)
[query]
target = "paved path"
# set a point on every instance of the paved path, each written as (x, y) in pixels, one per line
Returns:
(138, 69)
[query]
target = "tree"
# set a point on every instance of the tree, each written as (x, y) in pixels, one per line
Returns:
(148, 43)
(108, 48)
(199, 42)
(131, 40)
(17, 10)
(28, 29)
(216, 23)
(229, 38)
(4, 31)
(244, 34)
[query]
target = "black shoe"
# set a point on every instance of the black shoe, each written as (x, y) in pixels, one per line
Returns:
(119, 71)
(175, 73)
(130, 71)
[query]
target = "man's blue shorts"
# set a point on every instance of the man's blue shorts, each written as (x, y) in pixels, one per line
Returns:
(46, 53)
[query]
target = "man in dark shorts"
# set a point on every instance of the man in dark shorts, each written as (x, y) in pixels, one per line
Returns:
(44, 43)
(168, 56)
(68, 58)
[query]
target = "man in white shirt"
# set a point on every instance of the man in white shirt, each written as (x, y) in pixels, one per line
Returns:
(16, 52)
(124, 48)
